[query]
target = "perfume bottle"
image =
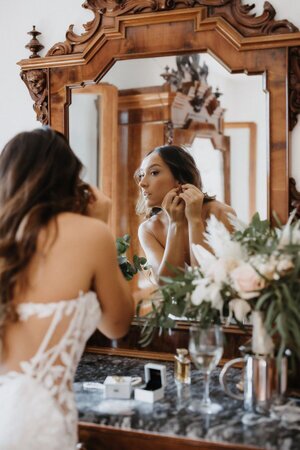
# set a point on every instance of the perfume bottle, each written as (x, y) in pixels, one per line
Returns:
(182, 370)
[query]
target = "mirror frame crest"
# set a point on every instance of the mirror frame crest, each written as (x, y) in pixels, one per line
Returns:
(126, 29)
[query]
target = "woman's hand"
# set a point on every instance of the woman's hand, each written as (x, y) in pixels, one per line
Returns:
(193, 199)
(174, 206)
(99, 205)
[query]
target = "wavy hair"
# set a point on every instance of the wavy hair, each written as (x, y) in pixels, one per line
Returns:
(183, 168)
(39, 178)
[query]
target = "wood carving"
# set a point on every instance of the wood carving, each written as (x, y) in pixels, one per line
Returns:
(34, 45)
(237, 14)
(294, 86)
(248, 24)
(36, 82)
(294, 197)
(194, 99)
(169, 133)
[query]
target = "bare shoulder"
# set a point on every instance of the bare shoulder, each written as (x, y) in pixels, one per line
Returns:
(221, 211)
(74, 229)
(78, 224)
(152, 225)
(218, 208)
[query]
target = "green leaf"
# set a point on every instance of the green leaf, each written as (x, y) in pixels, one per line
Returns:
(262, 299)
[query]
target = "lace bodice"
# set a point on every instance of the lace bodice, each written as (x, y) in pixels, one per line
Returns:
(54, 364)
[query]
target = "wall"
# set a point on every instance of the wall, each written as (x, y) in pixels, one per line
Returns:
(53, 19)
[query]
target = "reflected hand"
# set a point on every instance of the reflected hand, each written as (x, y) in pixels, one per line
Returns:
(174, 206)
(193, 199)
(99, 205)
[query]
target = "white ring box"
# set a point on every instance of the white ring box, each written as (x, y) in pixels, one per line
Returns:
(117, 387)
(156, 379)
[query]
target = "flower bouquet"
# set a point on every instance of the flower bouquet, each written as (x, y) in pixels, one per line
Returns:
(256, 268)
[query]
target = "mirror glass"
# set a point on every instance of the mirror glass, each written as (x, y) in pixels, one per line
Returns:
(245, 112)
(233, 163)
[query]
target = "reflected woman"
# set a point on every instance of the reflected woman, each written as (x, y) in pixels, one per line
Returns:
(176, 208)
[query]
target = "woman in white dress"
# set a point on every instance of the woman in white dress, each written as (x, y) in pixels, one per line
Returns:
(59, 280)
(175, 207)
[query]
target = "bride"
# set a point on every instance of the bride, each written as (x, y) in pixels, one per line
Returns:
(59, 280)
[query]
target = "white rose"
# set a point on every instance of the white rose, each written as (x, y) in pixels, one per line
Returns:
(246, 281)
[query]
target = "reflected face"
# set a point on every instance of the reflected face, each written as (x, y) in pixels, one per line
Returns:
(155, 180)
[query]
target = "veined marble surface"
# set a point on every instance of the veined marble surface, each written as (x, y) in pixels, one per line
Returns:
(171, 416)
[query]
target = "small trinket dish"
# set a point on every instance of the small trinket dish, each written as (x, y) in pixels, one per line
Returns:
(117, 387)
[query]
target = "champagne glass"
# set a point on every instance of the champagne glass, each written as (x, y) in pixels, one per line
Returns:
(206, 349)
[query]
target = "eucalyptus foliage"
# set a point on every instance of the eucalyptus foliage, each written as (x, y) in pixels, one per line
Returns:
(138, 263)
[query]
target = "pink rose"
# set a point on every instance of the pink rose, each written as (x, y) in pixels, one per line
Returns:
(247, 281)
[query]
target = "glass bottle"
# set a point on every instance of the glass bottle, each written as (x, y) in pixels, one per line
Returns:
(182, 371)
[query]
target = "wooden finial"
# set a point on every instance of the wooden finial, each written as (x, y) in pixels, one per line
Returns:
(34, 44)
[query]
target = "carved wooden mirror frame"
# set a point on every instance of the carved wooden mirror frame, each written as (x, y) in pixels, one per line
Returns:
(125, 29)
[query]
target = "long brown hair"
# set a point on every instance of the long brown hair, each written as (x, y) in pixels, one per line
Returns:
(39, 178)
(183, 168)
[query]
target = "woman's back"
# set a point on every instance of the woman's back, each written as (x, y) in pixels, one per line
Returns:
(59, 280)
(57, 314)
(61, 269)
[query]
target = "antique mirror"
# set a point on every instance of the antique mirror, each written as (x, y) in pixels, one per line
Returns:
(138, 33)
(222, 123)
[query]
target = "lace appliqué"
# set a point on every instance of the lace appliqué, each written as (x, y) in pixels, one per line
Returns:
(54, 366)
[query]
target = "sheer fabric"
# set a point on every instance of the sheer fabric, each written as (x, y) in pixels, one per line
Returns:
(37, 409)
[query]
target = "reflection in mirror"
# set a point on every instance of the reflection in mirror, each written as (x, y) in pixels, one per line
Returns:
(244, 103)
(132, 109)
(84, 132)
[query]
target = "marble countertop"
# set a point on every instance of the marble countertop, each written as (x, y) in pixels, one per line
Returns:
(171, 416)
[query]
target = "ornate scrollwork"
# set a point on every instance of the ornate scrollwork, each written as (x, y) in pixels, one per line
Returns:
(100, 8)
(36, 82)
(294, 86)
(239, 15)
(234, 11)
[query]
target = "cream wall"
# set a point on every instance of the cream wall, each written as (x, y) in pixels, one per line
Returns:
(53, 19)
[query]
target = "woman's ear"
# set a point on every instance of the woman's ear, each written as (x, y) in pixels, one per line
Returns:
(178, 185)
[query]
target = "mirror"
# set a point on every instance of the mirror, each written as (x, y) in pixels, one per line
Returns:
(128, 32)
(138, 82)
(245, 104)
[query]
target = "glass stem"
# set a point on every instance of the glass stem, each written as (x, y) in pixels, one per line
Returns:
(206, 387)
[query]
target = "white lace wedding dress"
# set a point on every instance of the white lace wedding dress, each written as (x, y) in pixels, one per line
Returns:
(37, 407)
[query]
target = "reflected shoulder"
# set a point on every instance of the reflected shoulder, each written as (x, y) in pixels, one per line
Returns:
(216, 207)
(152, 224)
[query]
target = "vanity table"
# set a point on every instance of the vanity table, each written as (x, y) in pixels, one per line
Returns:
(168, 424)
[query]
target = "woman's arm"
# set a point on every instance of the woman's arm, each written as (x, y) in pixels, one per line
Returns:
(159, 257)
(193, 199)
(112, 289)
(173, 254)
